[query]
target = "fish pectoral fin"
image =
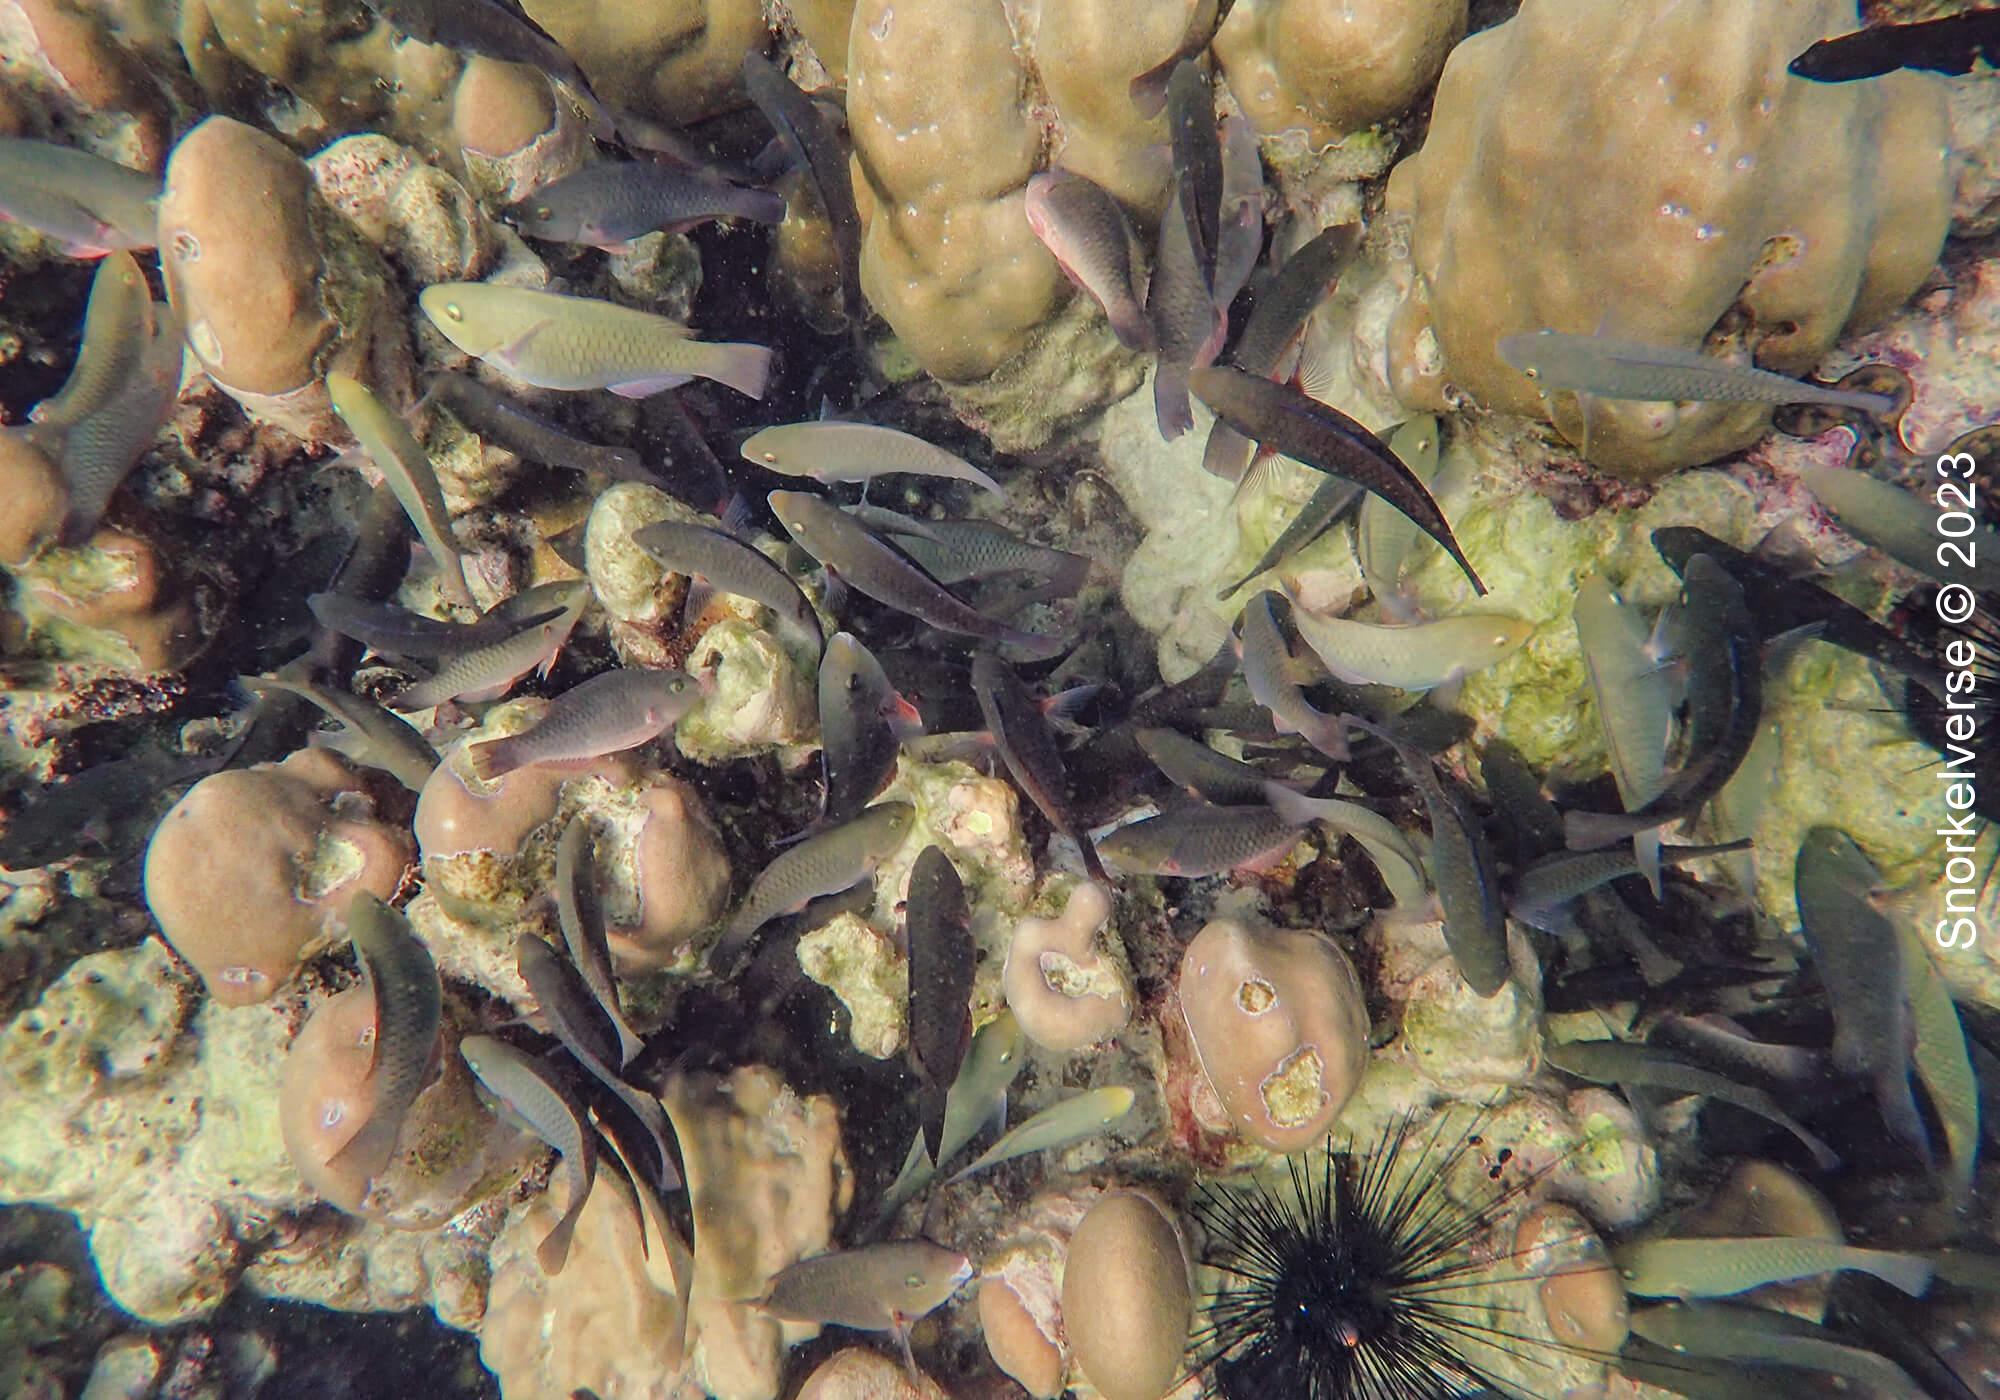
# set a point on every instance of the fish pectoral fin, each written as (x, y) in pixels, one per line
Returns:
(646, 388)
(510, 353)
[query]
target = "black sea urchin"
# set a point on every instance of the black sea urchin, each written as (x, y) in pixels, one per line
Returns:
(1355, 1284)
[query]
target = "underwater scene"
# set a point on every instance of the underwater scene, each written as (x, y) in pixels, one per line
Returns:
(962, 699)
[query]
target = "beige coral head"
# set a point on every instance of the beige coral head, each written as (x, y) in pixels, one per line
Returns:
(245, 872)
(1581, 1295)
(325, 1095)
(1016, 1341)
(1327, 71)
(1065, 993)
(678, 873)
(36, 498)
(1280, 1025)
(1127, 1303)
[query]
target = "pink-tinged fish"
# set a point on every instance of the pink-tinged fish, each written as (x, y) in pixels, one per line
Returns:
(1201, 840)
(1082, 226)
(610, 713)
(1240, 225)
(90, 205)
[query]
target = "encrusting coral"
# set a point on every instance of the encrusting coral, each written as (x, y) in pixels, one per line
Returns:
(1065, 993)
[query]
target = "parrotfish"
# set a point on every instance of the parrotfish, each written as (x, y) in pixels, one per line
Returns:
(117, 328)
(1197, 840)
(409, 1008)
(1399, 862)
(580, 915)
(1091, 239)
(1954, 44)
(608, 713)
(489, 669)
(1197, 150)
(1028, 748)
(1755, 1340)
(371, 735)
(831, 449)
(1240, 219)
(506, 423)
(725, 563)
(873, 1288)
(1199, 769)
(563, 342)
(808, 134)
(1859, 957)
(1716, 1267)
(858, 716)
(498, 31)
(1071, 1120)
(1634, 696)
(1384, 537)
(1725, 706)
(1188, 327)
(1331, 499)
(877, 569)
(1902, 524)
(1943, 1061)
(577, 1020)
(1544, 888)
(834, 860)
(1648, 1067)
(979, 1094)
(1623, 369)
(405, 466)
(90, 205)
(960, 551)
(607, 204)
(1287, 421)
(395, 631)
(658, 1240)
(538, 1097)
(1270, 672)
(99, 449)
(1418, 657)
(938, 928)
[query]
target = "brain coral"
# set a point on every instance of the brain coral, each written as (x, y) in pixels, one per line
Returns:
(1651, 171)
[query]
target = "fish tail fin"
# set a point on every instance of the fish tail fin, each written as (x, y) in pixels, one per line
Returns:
(491, 760)
(1036, 646)
(1646, 853)
(1328, 734)
(930, 1108)
(1907, 1272)
(744, 368)
(553, 1252)
(1227, 453)
(1170, 400)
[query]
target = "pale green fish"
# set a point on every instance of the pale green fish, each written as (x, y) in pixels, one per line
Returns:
(1635, 704)
(1760, 1337)
(1400, 863)
(1385, 539)
(1078, 1117)
(1422, 656)
(536, 1095)
(1941, 1059)
(489, 670)
(90, 205)
(401, 460)
(833, 450)
(370, 735)
(609, 713)
(99, 449)
(1623, 369)
(978, 1096)
(117, 327)
(873, 1288)
(397, 969)
(562, 342)
(1720, 1266)
(836, 859)
(1903, 525)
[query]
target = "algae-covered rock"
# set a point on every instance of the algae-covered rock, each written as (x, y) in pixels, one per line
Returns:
(870, 976)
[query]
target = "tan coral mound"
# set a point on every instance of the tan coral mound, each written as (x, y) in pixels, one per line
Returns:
(675, 61)
(1675, 186)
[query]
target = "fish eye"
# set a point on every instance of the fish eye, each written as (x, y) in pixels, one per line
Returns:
(769, 456)
(913, 1281)
(1532, 372)
(452, 312)
(544, 212)
(677, 686)
(332, 1113)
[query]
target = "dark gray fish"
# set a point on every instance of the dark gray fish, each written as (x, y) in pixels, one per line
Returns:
(1087, 232)
(1462, 868)
(99, 450)
(1240, 222)
(882, 572)
(580, 914)
(1028, 748)
(537, 1096)
(1757, 1339)
(1721, 1044)
(608, 713)
(1331, 499)
(961, 551)
(1545, 887)
(1725, 706)
(834, 860)
(1188, 327)
(1859, 957)
(1954, 44)
(494, 30)
(809, 135)
(1197, 147)
(1194, 766)
(371, 735)
(505, 422)
(409, 1009)
(1200, 840)
(609, 203)
(1649, 1067)
(396, 631)
(1288, 421)
(1530, 824)
(938, 928)
(857, 736)
(579, 1021)
(1278, 317)
(726, 563)
(91, 808)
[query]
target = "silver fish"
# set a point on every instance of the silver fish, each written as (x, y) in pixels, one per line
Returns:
(726, 563)
(90, 205)
(1634, 696)
(1188, 327)
(501, 420)
(825, 864)
(1240, 217)
(534, 1093)
(1421, 656)
(607, 204)
(1199, 769)
(409, 1008)
(1942, 1060)
(977, 1096)
(1084, 228)
(371, 735)
(1555, 880)
(1384, 538)
(395, 631)
(488, 670)
(830, 449)
(1027, 747)
(961, 551)
(1399, 862)
(563, 342)
(407, 468)
(1269, 671)
(1197, 151)
(1623, 369)
(1075, 1118)
(1757, 1339)
(1330, 500)
(608, 713)
(1902, 524)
